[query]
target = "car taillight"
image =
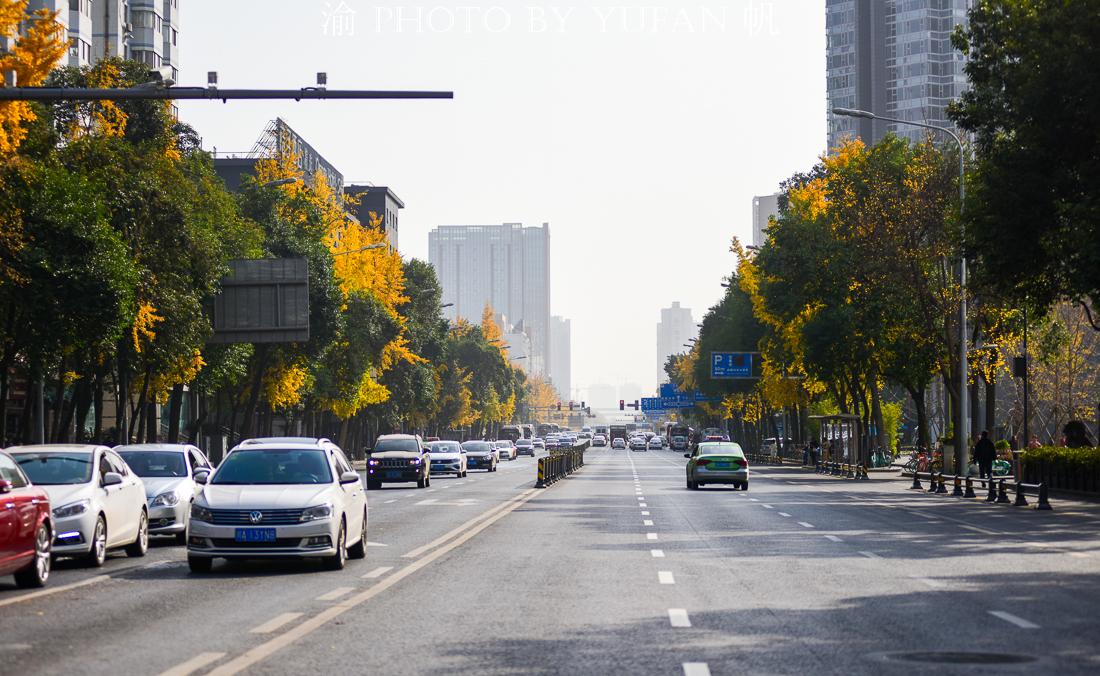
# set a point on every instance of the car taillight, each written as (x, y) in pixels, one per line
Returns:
(702, 463)
(743, 461)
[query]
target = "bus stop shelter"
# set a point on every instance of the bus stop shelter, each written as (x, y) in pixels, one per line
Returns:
(842, 438)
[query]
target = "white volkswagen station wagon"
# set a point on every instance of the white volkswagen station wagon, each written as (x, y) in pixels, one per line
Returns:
(278, 498)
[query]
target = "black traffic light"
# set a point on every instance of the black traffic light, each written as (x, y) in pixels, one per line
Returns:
(622, 405)
(584, 405)
(559, 405)
(570, 406)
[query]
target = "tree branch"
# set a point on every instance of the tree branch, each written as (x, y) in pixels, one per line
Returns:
(1088, 314)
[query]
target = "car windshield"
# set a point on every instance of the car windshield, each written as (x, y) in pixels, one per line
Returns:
(444, 447)
(477, 446)
(679, 438)
(56, 469)
(154, 464)
(720, 449)
(523, 442)
(274, 466)
(404, 445)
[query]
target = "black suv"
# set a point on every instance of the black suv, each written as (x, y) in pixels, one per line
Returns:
(398, 458)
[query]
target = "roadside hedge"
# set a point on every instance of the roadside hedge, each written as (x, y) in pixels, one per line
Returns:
(1075, 469)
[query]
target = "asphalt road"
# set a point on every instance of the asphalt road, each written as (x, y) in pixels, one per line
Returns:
(617, 569)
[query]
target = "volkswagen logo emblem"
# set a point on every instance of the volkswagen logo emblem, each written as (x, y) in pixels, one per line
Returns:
(255, 517)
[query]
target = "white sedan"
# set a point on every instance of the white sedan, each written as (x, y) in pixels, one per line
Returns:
(279, 498)
(447, 458)
(98, 503)
(168, 472)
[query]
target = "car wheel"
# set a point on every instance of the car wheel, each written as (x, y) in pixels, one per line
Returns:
(140, 545)
(420, 483)
(38, 570)
(745, 486)
(98, 553)
(359, 549)
(200, 565)
(337, 560)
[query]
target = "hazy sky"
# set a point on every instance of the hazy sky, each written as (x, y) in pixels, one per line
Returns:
(639, 131)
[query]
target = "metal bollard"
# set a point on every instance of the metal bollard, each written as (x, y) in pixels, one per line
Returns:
(932, 482)
(916, 482)
(969, 493)
(958, 491)
(1021, 499)
(1044, 502)
(992, 496)
(942, 487)
(1002, 494)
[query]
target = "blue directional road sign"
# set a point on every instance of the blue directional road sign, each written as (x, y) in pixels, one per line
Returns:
(650, 404)
(730, 365)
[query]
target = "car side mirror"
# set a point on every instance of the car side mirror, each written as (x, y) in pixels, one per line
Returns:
(112, 479)
(202, 476)
(349, 477)
(5, 486)
(687, 455)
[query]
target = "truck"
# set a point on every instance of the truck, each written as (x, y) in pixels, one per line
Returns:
(618, 432)
(511, 433)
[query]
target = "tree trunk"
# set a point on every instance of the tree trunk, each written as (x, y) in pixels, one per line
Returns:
(152, 425)
(141, 409)
(5, 364)
(975, 410)
(122, 397)
(876, 412)
(175, 407)
(249, 422)
(991, 406)
(58, 401)
(922, 417)
(97, 406)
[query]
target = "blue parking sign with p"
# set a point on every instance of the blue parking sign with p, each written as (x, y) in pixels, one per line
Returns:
(731, 365)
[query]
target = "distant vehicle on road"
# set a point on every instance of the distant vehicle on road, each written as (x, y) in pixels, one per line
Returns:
(679, 443)
(481, 455)
(553, 442)
(26, 529)
(98, 503)
(398, 458)
(618, 432)
(618, 443)
(269, 498)
(655, 443)
(638, 443)
(715, 434)
(506, 449)
(599, 440)
(512, 433)
(525, 447)
(601, 429)
(539, 443)
(447, 458)
(168, 472)
(717, 462)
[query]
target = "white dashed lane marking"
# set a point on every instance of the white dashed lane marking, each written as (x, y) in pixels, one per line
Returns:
(274, 623)
(335, 594)
(696, 669)
(665, 577)
(1013, 619)
(657, 553)
(377, 572)
(678, 617)
(650, 536)
(833, 538)
(870, 555)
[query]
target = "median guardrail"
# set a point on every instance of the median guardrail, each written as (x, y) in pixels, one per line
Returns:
(764, 459)
(559, 464)
(996, 489)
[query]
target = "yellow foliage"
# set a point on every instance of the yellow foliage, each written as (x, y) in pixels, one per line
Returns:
(398, 350)
(144, 322)
(107, 118)
(284, 383)
(367, 392)
(182, 372)
(31, 59)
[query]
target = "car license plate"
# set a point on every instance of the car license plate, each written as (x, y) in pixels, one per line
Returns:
(722, 465)
(255, 535)
(393, 474)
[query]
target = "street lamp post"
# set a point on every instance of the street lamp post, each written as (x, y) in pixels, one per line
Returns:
(962, 416)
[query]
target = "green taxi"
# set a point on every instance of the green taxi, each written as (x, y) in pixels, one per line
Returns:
(717, 462)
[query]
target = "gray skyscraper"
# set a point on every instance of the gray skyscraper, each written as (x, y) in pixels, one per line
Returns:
(764, 208)
(893, 58)
(561, 356)
(507, 266)
(674, 330)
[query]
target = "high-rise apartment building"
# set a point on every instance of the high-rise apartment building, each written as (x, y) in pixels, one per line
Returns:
(893, 58)
(764, 208)
(561, 356)
(674, 330)
(506, 266)
(142, 30)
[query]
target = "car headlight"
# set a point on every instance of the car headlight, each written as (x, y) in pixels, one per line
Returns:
(71, 509)
(169, 499)
(414, 461)
(373, 463)
(316, 513)
(200, 513)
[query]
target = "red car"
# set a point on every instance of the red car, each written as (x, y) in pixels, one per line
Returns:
(26, 530)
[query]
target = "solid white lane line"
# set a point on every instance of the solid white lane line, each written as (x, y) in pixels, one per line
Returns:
(1079, 555)
(274, 623)
(665, 577)
(976, 529)
(784, 514)
(54, 590)
(650, 536)
(647, 522)
(280, 641)
(870, 555)
(194, 664)
(335, 594)
(833, 538)
(678, 617)
(377, 572)
(641, 498)
(642, 504)
(389, 501)
(645, 513)
(805, 525)
(768, 507)
(657, 553)
(696, 669)
(464, 528)
(753, 500)
(1013, 619)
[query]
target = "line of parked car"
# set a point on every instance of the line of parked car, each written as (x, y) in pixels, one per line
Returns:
(281, 497)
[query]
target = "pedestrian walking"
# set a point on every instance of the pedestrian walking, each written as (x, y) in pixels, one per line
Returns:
(984, 454)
